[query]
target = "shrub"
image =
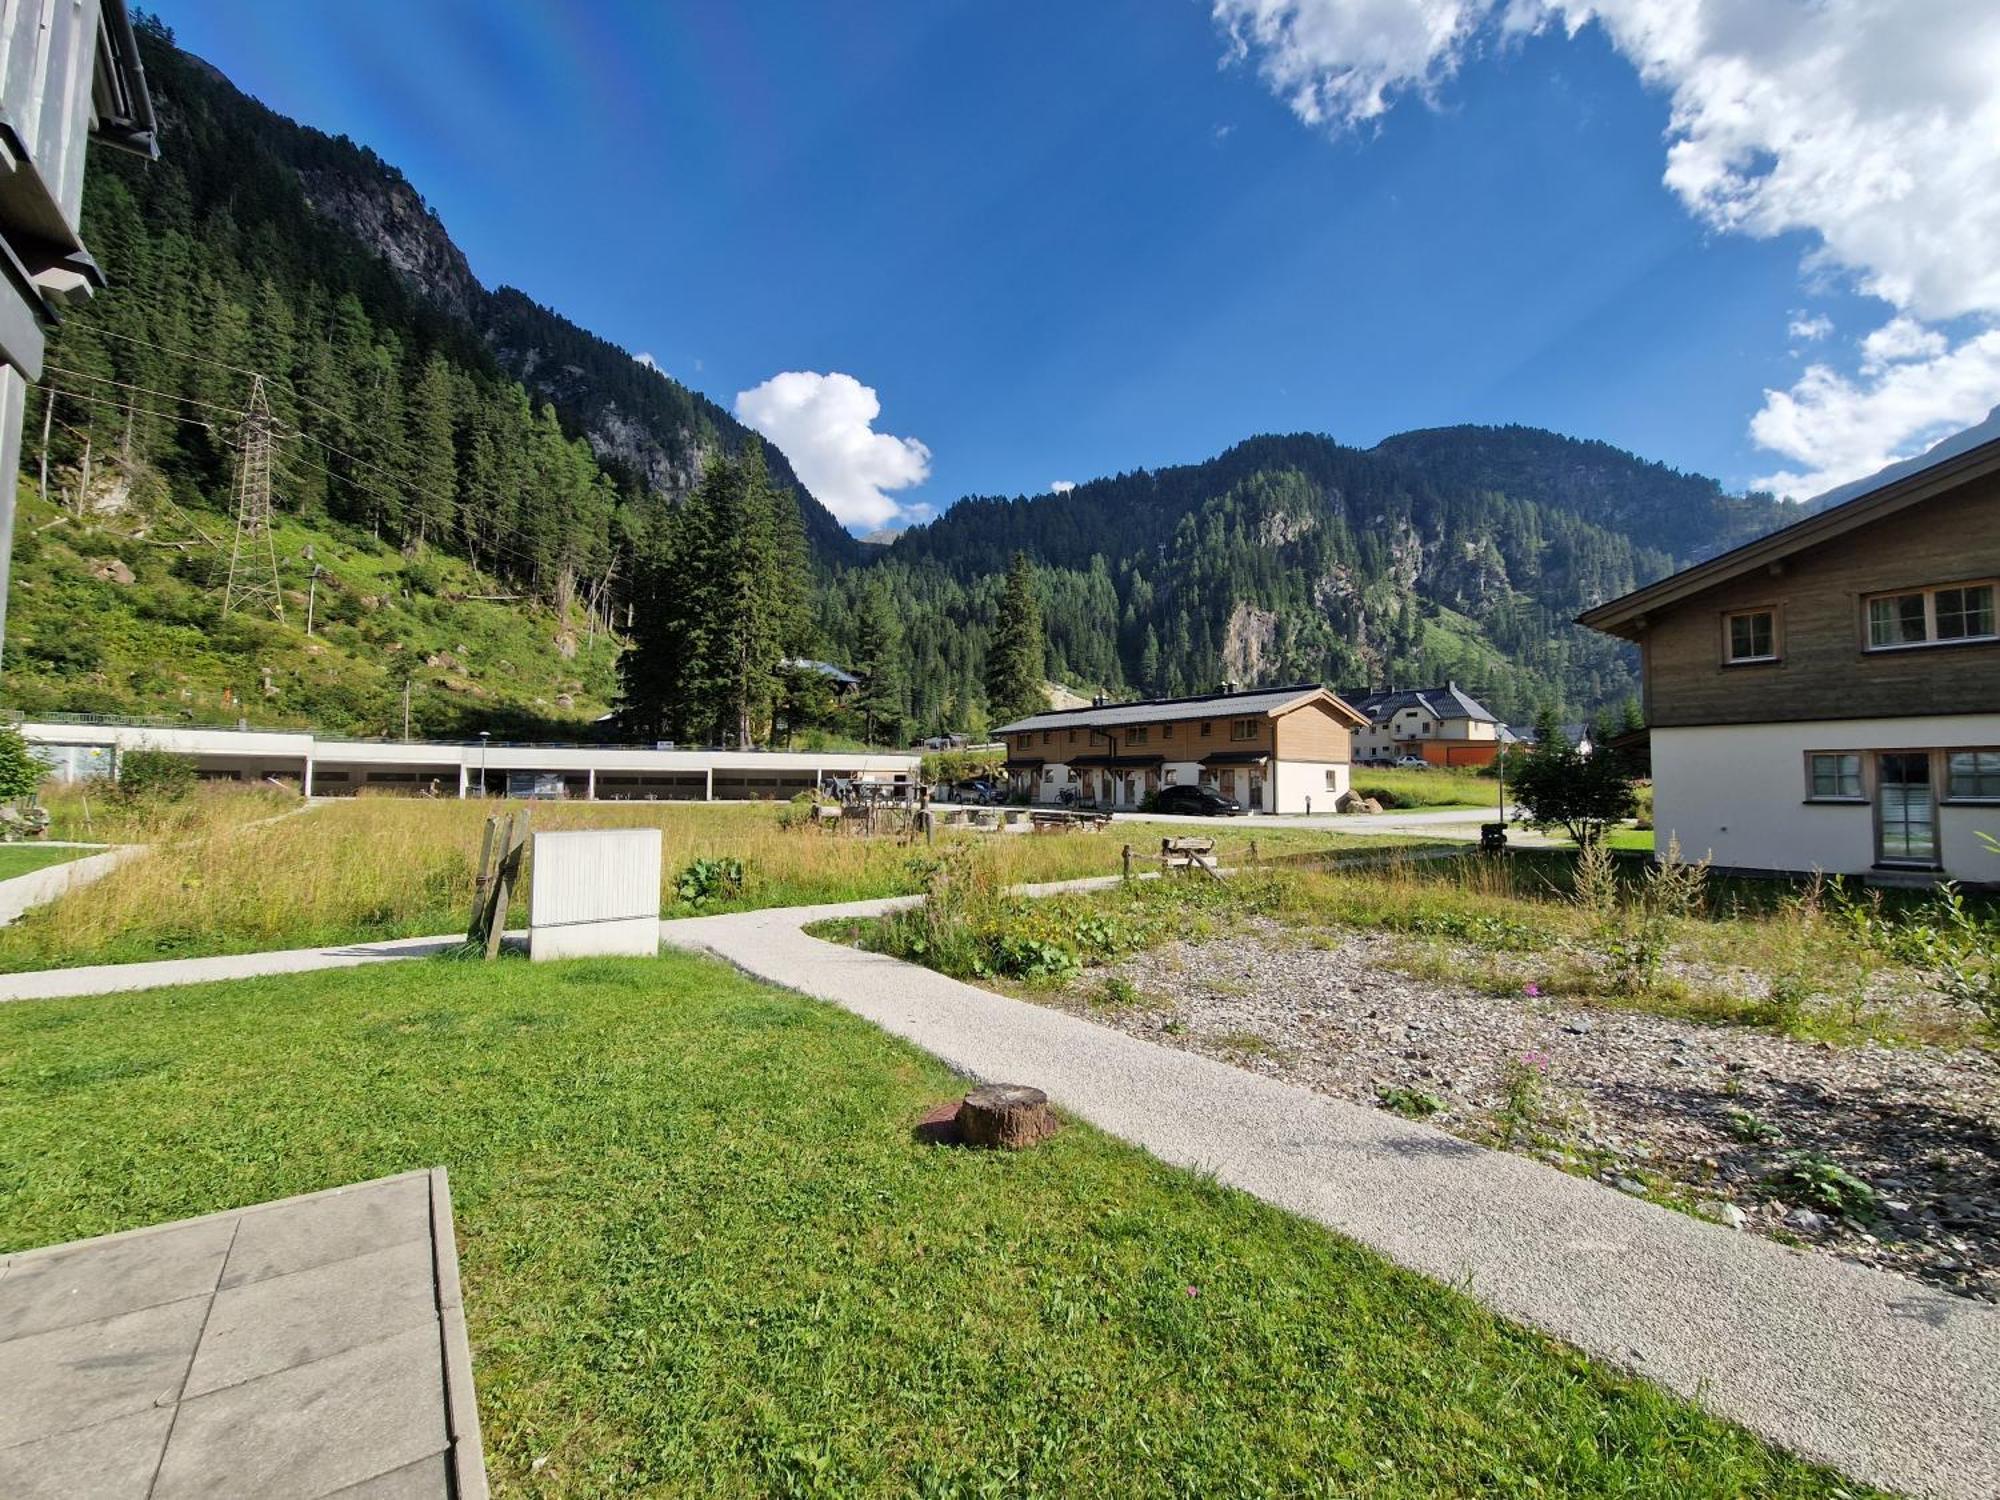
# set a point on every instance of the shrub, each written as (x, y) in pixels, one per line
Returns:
(708, 881)
(20, 772)
(154, 778)
(1825, 1185)
(1559, 787)
(1412, 1104)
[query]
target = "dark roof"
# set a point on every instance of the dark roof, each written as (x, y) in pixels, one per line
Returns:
(1447, 702)
(1163, 710)
(1626, 615)
(825, 669)
(1235, 757)
(1115, 762)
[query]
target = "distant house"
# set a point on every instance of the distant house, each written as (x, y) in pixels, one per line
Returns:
(1828, 697)
(1443, 725)
(1270, 748)
(842, 681)
(69, 72)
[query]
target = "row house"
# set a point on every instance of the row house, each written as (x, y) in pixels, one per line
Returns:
(1273, 749)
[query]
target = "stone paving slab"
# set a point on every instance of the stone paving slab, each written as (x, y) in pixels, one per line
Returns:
(313, 1346)
(1858, 1369)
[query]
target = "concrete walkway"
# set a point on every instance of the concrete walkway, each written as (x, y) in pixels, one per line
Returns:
(1867, 1372)
(111, 979)
(311, 1346)
(39, 887)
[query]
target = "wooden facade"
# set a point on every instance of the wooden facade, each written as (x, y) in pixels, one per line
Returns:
(1821, 666)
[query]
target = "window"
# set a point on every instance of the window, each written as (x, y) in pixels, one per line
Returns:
(1206, 726)
(1834, 777)
(1333, 781)
(1424, 727)
(1973, 776)
(1243, 729)
(1925, 617)
(1753, 636)
(1048, 738)
(1136, 736)
(1072, 736)
(1168, 776)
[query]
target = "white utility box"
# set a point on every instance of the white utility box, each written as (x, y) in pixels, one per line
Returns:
(595, 892)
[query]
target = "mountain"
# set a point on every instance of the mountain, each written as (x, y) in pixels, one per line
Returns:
(1460, 552)
(469, 490)
(645, 427)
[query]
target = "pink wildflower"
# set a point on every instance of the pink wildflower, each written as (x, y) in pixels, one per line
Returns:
(1531, 990)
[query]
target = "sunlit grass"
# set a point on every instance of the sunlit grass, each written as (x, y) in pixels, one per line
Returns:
(703, 1254)
(401, 867)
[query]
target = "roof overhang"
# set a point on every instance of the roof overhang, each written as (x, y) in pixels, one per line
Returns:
(119, 97)
(1236, 758)
(1628, 615)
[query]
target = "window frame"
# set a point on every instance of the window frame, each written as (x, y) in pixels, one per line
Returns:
(1242, 729)
(1952, 796)
(1136, 735)
(1928, 593)
(1750, 612)
(1860, 798)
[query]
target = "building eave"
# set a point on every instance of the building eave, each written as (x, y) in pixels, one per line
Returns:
(1626, 616)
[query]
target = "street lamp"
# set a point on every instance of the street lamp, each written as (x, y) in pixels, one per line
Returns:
(484, 736)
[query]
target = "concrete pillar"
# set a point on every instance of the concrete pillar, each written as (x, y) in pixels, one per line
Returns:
(590, 786)
(461, 781)
(307, 784)
(708, 786)
(13, 392)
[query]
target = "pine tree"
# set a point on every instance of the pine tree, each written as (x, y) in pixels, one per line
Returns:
(433, 453)
(1014, 660)
(878, 661)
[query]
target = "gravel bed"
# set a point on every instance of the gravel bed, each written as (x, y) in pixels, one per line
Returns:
(1706, 1117)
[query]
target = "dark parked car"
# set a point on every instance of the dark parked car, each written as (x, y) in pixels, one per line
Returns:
(1201, 801)
(980, 791)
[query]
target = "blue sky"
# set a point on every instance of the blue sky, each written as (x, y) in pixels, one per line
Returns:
(1058, 241)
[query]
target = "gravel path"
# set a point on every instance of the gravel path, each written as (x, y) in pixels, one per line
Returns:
(1716, 1118)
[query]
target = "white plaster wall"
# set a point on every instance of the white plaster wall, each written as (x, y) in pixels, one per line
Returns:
(1054, 780)
(1293, 781)
(1186, 773)
(1737, 793)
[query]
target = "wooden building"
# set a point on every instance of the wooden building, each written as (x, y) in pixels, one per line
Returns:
(69, 74)
(1828, 697)
(1272, 749)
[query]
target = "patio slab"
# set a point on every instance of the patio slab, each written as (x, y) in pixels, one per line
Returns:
(311, 1346)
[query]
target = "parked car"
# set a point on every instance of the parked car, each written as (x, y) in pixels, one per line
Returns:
(1412, 763)
(1200, 801)
(980, 791)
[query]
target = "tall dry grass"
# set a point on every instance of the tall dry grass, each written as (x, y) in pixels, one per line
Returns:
(380, 868)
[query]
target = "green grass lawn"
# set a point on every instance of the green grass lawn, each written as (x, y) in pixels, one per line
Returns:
(25, 859)
(704, 1254)
(1428, 790)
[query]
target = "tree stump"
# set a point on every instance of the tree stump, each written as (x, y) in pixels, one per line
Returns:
(1005, 1117)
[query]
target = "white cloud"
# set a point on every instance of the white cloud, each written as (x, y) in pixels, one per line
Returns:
(1869, 125)
(1898, 340)
(1833, 427)
(649, 362)
(825, 425)
(1809, 329)
(1061, 486)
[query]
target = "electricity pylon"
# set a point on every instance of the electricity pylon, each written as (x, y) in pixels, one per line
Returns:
(253, 579)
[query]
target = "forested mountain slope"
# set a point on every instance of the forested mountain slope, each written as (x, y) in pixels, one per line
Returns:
(1459, 552)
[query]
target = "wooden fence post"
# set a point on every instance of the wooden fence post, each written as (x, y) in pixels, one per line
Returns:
(1128, 864)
